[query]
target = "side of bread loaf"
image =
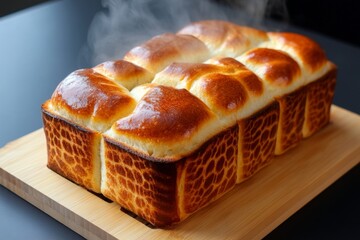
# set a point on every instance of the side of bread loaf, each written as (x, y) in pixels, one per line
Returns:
(185, 117)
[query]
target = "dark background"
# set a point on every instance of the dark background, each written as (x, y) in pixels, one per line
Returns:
(333, 18)
(337, 19)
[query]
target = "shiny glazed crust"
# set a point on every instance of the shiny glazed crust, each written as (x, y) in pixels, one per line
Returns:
(185, 117)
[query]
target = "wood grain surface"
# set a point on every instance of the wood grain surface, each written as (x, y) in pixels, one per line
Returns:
(250, 211)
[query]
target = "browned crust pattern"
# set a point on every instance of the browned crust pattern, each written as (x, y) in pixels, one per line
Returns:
(257, 140)
(211, 171)
(73, 152)
(318, 103)
(144, 187)
(291, 120)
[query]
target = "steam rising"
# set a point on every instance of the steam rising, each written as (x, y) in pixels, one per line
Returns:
(128, 23)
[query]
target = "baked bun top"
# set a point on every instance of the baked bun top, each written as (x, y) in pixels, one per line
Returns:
(225, 85)
(124, 73)
(92, 100)
(164, 122)
(160, 51)
(306, 52)
(224, 38)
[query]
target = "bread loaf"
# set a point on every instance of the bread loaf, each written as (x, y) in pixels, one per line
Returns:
(185, 117)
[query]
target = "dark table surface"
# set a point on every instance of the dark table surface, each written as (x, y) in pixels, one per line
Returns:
(39, 46)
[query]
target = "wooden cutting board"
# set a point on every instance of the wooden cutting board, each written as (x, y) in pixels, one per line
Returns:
(250, 211)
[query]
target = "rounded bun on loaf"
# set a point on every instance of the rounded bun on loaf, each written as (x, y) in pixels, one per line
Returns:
(160, 51)
(167, 123)
(225, 85)
(124, 73)
(276, 68)
(92, 100)
(182, 75)
(224, 38)
(308, 54)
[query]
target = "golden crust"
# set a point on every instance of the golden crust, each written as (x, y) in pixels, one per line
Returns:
(153, 117)
(86, 96)
(224, 84)
(124, 73)
(224, 38)
(183, 74)
(164, 120)
(310, 53)
(224, 92)
(160, 51)
(276, 67)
